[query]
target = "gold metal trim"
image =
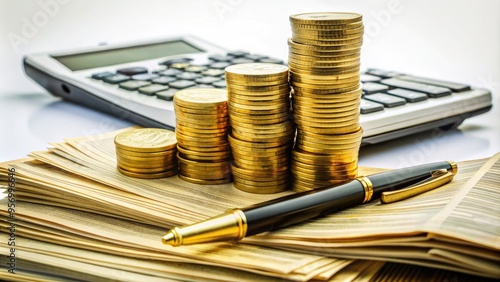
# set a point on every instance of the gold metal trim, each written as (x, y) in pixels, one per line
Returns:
(231, 225)
(437, 179)
(454, 167)
(367, 186)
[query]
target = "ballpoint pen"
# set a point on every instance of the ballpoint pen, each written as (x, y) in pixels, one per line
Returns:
(390, 186)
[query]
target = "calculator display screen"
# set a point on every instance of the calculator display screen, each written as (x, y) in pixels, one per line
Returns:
(82, 61)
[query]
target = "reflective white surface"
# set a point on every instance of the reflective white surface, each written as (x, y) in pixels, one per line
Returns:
(451, 40)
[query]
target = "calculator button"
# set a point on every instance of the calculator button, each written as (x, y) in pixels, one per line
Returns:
(133, 84)
(167, 95)
(255, 57)
(242, 61)
(180, 66)
(369, 78)
(367, 107)
(181, 84)
(213, 72)
(176, 61)
(132, 71)
(188, 75)
(237, 53)
(408, 95)
(271, 61)
(115, 79)
(431, 91)
(101, 75)
(170, 72)
(371, 87)
(220, 65)
(159, 70)
(456, 87)
(221, 58)
(207, 79)
(144, 77)
(219, 84)
(164, 80)
(196, 69)
(152, 89)
(382, 73)
(385, 99)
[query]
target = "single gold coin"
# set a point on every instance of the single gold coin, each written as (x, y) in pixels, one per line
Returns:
(323, 48)
(259, 89)
(160, 154)
(257, 71)
(149, 170)
(201, 98)
(147, 175)
(234, 141)
(332, 31)
(341, 129)
(326, 18)
(316, 27)
(269, 189)
(146, 140)
(205, 182)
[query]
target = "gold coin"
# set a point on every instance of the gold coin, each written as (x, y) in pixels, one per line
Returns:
(181, 138)
(271, 173)
(313, 27)
(187, 124)
(326, 18)
(161, 154)
(266, 151)
(280, 101)
(257, 96)
(251, 89)
(268, 138)
(141, 160)
(256, 82)
(146, 140)
(327, 99)
(348, 43)
(273, 107)
(309, 109)
(201, 117)
(330, 31)
(269, 189)
(235, 108)
(322, 53)
(234, 141)
(191, 131)
(330, 36)
(330, 58)
(294, 63)
(322, 48)
(201, 98)
(256, 71)
(341, 129)
(147, 175)
(211, 148)
(225, 153)
(205, 182)
(202, 171)
(149, 169)
(201, 111)
(261, 121)
(206, 176)
(321, 158)
(269, 128)
(314, 92)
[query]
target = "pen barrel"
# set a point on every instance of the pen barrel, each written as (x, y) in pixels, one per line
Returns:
(401, 178)
(299, 207)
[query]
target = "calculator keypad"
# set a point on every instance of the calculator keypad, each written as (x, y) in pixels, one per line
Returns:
(381, 89)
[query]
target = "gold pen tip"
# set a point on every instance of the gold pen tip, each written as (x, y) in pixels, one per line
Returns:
(169, 239)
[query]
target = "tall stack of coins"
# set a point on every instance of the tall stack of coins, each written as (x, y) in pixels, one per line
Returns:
(202, 125)
(146, 153)
(324, 62)
(261, 131)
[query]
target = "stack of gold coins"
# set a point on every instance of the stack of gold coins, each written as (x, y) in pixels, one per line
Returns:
(202, 125)
(146, 153)
(324, 62)
(261, 130)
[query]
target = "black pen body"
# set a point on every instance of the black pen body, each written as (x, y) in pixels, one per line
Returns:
(299, 207)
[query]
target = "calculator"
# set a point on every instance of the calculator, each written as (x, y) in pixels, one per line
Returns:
(137, 81)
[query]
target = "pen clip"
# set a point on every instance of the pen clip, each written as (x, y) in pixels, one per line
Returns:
(437, 178)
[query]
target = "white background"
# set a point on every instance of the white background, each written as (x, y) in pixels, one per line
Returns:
(456, 40)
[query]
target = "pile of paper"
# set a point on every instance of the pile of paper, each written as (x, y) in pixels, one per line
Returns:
(77, 217)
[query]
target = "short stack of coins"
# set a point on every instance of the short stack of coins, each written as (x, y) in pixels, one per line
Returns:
(324, 62)
(202, 126)
(261, 130)
(146, 153)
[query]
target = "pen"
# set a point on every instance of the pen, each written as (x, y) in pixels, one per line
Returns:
(390, 186)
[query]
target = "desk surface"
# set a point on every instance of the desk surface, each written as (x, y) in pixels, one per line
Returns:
(442, 41)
